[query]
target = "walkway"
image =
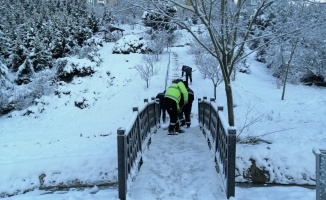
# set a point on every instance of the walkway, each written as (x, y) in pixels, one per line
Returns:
(177, 167)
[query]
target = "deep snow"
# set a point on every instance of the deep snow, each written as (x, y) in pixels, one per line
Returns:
(65, 143)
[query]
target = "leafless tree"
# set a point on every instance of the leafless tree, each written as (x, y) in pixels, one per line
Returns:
(145, 73)
(149, 60)
(207, 65)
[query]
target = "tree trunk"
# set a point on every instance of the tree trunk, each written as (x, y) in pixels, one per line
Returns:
(215, 86)
(229, 98)
(288, 66)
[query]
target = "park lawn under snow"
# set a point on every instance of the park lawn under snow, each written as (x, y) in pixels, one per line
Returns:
(63, 143)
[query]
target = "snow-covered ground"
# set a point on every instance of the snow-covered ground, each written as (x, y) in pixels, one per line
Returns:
(63, 143)
(261, 193)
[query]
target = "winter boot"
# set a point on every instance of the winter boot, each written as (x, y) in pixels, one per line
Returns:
(180, 130)
(171, 131)
(177, 129)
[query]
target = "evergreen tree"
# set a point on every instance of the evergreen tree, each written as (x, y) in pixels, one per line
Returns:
(4, 75)
(40, 57)
(4, 43)
(107, 17)
(93, 22)
(5, 89)
(161, 19)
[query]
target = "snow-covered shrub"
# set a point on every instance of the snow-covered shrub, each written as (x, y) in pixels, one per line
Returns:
(37, 107)
(6, 88)
(130, 44)
(43, 83)
(22, 97)
(70, 67)
(94, 42)
(18, 97)
(245, 68)
(310, 78)
(90, 50)
(261, 55)
(4, 75)
(24, 73)
(81, 103)
(159, 40)
(6, 104)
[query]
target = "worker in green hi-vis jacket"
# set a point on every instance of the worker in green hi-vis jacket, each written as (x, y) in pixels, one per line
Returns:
(172, 99)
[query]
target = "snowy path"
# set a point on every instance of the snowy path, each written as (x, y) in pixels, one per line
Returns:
(175, 167)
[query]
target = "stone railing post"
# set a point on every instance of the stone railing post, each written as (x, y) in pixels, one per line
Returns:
(147, 113)
(138, 121)
(320, 173)
(211, 100)
(122, 164)
(204, 110)
(199, 112)
(231, 162)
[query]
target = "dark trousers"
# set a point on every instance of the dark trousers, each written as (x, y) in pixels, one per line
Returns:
(187, 112)
(172, 109)
(188, 76)
(181, 118)
(184, 116)
(163, 114)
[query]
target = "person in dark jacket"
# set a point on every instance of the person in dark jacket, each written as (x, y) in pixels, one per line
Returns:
(184, 116)
(171, 100)
(160, 96)
(188, 71)
(181, 118)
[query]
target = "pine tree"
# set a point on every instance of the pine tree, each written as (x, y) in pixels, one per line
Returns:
(5, 89)
(93, 22)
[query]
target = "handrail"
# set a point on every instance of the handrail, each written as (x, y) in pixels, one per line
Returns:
(133, 141)
(221, 139)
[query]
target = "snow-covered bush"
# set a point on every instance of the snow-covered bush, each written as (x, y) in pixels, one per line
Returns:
(24, 73)
(18, 97)
(245, 68)
(6, 104)
(159, 40)
(130, 44)
(81, 103)
(43, 83)
(94, 42)
(90, 50)
(4, 75)
(24, 96)
(6, 88)
(70, 67)
(310, 78)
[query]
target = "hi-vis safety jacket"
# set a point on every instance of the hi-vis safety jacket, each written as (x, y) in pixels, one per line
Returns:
(174, 92)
